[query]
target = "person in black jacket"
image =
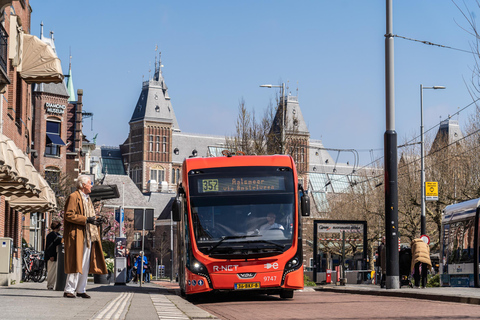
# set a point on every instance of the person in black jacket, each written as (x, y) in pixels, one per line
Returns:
(53, 240)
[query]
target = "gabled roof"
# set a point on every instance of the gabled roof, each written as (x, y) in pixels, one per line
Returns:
(185, 143)
(448, 133)
(154, 103)
(130, 195)
(294, 117)
(162, 202)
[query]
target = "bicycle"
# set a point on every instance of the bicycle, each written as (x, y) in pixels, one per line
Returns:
(33, 266)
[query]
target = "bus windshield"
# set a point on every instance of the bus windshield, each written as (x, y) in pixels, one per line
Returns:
(243, 212)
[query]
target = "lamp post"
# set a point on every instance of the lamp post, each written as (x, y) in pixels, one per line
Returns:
(423, 221)
(283, 109)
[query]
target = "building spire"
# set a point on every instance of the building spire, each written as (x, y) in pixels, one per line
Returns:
(41, 30)
(70, 88)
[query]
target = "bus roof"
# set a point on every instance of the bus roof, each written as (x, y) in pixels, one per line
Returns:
(459, 211)
(239, 161)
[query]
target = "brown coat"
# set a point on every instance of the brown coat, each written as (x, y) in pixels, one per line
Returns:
(420, 253)
(74, 222)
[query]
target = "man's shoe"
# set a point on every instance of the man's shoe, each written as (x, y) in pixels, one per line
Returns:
(68, 295)
(83, 295)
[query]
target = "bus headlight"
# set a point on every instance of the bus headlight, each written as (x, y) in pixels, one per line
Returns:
(292, 263)
(198, 267)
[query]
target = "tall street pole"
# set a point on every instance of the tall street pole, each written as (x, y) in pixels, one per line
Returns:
(423, 220)
(390, 166)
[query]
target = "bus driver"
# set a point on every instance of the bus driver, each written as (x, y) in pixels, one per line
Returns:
(271, 224)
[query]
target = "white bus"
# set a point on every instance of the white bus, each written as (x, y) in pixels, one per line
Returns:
(459, 245)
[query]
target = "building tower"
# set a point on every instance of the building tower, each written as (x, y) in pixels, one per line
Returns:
(147, 152)
(296, 135)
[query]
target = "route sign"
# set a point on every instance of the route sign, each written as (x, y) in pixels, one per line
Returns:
(431, 191)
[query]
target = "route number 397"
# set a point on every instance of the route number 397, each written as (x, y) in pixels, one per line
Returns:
(210, 185)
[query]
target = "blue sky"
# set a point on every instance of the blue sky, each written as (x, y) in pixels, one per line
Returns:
(217, 52)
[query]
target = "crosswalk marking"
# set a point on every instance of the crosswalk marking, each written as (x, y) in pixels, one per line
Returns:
(166, 309)
(115, 308)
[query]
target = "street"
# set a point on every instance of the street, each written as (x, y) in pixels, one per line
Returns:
(327, 305)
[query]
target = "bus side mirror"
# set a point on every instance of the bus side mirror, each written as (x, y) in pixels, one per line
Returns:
(176, 210)
(305, 205)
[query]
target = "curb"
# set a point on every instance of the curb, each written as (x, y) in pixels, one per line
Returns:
(397, 293)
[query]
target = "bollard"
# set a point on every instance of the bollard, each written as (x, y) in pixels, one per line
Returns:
(61, 276)
(329, 276)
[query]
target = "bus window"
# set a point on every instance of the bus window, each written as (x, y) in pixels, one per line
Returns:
(459, 236)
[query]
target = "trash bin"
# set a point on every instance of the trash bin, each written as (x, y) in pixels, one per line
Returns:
(61, 276)
(329, 276)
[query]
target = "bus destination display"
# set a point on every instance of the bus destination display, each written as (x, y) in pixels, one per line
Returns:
(272, 183)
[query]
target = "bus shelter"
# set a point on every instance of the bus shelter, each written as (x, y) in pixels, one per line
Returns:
(340, 243)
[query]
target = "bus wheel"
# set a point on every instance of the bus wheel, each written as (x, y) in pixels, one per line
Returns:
(286, 294)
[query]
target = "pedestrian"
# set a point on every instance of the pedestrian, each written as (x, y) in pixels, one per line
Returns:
(83, 245)
(53, 240)
(382, 254)
(140, 270)
(148, 272)
(420, 259)
(129, 264)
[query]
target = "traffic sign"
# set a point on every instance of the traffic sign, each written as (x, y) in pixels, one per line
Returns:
(425, 239)
(431, 191)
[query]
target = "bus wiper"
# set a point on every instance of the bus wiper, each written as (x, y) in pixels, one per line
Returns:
(231, 237)
(279, 246)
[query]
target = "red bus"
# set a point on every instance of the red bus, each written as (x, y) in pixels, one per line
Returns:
(239, 225)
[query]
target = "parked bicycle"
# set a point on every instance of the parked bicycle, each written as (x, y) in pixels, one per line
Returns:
(34, 267)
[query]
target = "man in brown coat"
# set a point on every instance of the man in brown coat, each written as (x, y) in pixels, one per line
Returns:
(83, 245)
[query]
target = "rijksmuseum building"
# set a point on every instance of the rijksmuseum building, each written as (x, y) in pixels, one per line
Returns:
(147, 166)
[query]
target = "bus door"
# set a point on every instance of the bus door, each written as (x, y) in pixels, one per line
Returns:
(476, 251)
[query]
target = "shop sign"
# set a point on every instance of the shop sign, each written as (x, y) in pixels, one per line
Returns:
(55, 108)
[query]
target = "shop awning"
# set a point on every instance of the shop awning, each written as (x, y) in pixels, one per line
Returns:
(17, 174)
(45, 201)
(40, 63)
(55, 139)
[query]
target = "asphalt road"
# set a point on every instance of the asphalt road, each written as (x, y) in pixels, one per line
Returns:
(330, 305)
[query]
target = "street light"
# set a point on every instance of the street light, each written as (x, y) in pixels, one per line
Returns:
(423, 221)
(283, 109)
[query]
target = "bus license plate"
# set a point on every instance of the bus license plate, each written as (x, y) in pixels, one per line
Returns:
(247, 285)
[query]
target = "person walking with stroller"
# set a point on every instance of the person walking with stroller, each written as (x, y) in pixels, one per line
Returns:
(420, 258)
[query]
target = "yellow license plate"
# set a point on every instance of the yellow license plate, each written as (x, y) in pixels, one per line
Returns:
(247, 285)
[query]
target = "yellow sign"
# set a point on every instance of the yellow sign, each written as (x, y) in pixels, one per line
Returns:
(431, 190)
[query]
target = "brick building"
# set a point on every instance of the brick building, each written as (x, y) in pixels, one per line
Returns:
(25, 195)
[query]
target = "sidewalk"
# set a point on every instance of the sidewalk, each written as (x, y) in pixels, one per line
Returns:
(450, 294)
(155, 300)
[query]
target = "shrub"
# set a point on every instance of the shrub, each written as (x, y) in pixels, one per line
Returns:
(433, 281)
(108, 248)
(307, 282)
